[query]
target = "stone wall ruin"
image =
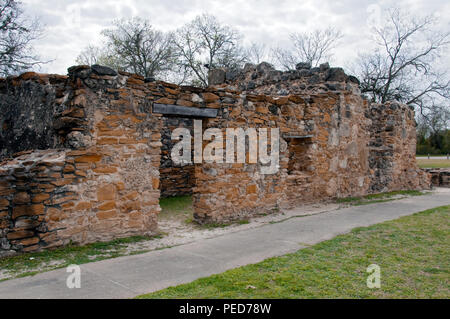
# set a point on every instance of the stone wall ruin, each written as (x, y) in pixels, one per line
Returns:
(86, 157)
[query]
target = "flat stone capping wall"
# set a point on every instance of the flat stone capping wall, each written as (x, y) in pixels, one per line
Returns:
(440, 177)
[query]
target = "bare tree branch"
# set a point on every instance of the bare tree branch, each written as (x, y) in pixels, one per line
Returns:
(256, 53)
(403, 68)
(16, 37)
(203, 44)
(311, 47)
(90, 55)
(133, 46)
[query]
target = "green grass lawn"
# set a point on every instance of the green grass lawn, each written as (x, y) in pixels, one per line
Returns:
(412, 252)
(433, 163)
(176, 208)
(177, 204)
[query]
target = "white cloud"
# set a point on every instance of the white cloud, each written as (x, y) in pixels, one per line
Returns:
(73, 24)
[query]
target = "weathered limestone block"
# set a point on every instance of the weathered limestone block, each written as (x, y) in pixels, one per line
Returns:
(216, 76)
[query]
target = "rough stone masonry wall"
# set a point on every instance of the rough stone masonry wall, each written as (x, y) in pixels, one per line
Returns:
(336, 155)
(97, 176)
(353, 151)
(389, 128)
(100, 183)
(392, 149)
(34, 126)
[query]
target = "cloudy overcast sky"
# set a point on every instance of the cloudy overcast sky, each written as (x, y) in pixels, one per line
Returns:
(73, 24)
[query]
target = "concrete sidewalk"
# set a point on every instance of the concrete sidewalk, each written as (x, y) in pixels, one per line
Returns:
(129, 276)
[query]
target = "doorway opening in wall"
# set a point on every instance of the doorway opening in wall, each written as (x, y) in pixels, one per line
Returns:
(176, 181)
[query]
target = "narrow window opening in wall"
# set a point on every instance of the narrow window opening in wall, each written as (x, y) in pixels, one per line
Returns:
(300, 160)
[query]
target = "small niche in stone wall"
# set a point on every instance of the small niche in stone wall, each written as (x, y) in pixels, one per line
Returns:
(300, 160)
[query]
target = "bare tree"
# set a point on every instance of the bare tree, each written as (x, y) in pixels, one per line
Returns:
(311, 47)
(433, 130)
(256, 53)
(90, 55)
(134, 46)
(405, 65)
(16, 37)
(203, 44)
(436, 119)
(100, 55)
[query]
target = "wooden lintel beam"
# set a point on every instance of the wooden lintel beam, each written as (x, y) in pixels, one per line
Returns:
(187, 111)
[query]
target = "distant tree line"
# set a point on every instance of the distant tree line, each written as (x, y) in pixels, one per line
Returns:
(434, 144)
(433, 133)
